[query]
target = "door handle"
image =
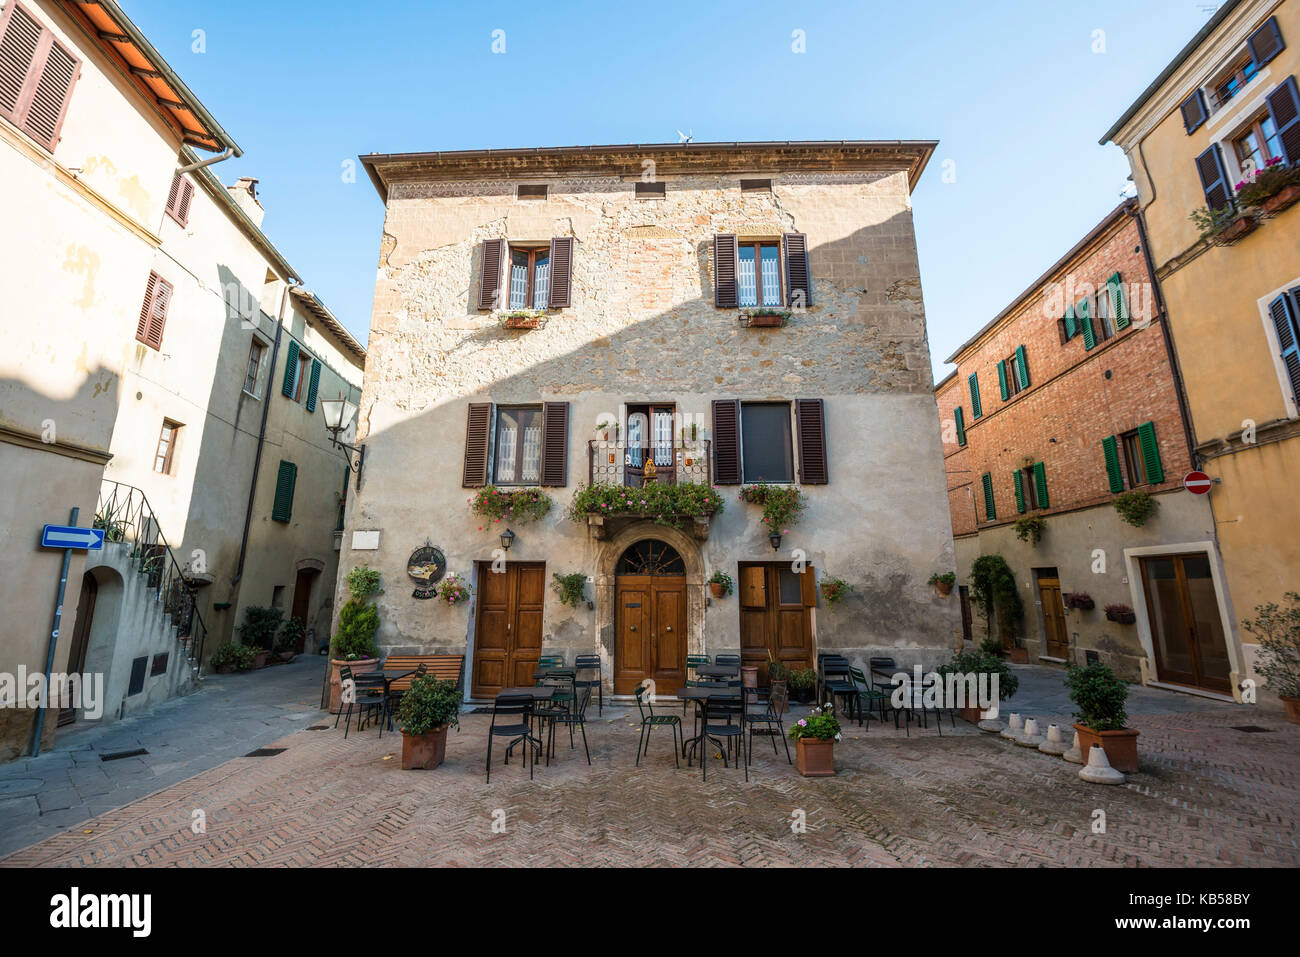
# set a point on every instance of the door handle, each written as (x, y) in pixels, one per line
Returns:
(507, 627)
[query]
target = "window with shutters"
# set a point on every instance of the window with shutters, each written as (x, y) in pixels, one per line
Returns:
(766, 443)
(286, 480)
(179, 199)
(1134, 466)
(1284, 318)
(1232, 81)
(1028, 486)
(301, 374)
(530, 273)
(758, 273)
(1258, 144)
(37, 74)
(1009, 376)
(163, 457)
(990, 506)
(253, 374)
(153, 313)
(518, 459)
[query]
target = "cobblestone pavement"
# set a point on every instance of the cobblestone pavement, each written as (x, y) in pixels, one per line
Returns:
(1206, 795)
(229, 716)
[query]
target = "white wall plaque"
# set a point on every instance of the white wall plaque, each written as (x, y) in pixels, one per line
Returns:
(365, 541)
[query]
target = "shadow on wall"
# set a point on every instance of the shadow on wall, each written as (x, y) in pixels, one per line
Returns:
(864, 335)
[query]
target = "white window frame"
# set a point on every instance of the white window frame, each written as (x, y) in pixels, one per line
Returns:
(1275, 348)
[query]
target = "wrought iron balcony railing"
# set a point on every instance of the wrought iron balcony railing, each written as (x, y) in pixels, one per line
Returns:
(618, 463)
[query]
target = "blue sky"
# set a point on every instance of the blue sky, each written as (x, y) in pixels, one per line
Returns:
(1013, 91)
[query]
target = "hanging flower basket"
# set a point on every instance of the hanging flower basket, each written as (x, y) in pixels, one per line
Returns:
(522, 319)
(1121, 614)
(764, 318)
(452, 590)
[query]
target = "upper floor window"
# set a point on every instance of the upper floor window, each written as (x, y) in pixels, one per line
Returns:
(301, 376)
(766, 446)
(162, 460)
(518, 445)
(37, 74)
(526, 276)
(1134, 465)
(1261, 47)
(256, 353)
(530, 278)
(1258, 144)
(754, 273)
(1232, 81)
(759, 274)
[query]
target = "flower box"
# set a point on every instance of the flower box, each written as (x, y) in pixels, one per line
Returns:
(1234, 231)
(765, 318)
(815, 757)
(1279, 201)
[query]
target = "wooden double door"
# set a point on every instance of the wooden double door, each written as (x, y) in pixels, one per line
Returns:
(508, 631)
(650, 632)
(1056, 639)
(776, 605)
(1186, 627)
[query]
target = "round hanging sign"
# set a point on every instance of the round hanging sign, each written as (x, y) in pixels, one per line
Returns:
(425, 567)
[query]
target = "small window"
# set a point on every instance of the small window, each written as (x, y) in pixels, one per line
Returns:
(300, 376)
(651, 190)
(758, 274)
(532, 192)
(1105, 321)
(1134, 463)
(1031, 489)
(756, 186)
(162, 460)
(1233, 80)
(179, 199)
(766, 445)
(256, 353)
(530, 277)
(1258, 145)
(159, 666)
(518, 445)
(1012, 376)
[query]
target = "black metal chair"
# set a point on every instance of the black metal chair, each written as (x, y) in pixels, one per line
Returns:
(574, 716)
(837, 682)
(875, 667)
(366, 695)
(560, 704)
(583, 664)
(728, 661)
(728, 708)
(764, 708)
(518, 707)
(650, 721)
(866, 696)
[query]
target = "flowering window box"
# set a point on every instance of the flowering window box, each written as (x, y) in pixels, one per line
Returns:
(522, 319)
(1235, 230)
(1282, 200)
(764, 318)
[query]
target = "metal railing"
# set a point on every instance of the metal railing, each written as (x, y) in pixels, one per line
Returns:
(125, 515)
(618, 463)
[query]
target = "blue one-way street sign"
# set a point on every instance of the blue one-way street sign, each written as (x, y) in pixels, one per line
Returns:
(69, 536)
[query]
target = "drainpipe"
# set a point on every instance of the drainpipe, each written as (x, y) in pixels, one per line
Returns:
(261, 434)
(204, 164)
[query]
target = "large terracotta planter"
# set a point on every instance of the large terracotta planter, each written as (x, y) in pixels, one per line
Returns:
(973, 715)
(1121, 747)
(1292, 709)
(1280, 201)
(259, 659)
(943, 588)
(749, 676)
(424, 751)
(359, 667)
(815, 757)
(1239, 227)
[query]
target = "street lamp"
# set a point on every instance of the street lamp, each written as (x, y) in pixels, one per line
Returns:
(339, 414)
(507, 539)
(775, 539)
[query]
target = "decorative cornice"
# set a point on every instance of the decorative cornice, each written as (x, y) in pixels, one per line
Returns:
(72, 450)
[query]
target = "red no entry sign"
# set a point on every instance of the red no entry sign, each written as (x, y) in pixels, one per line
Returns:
(1198, 483)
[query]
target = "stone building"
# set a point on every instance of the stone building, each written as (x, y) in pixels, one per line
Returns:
(702, 314)
(1226, 109)
(1061, 409)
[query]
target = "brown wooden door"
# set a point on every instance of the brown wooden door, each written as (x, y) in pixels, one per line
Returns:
(508, 633)
(80, 637)
(776, 615)
(302, 601)
(963, 596)
(1186, 627)
(650, 632)
(1056, 642)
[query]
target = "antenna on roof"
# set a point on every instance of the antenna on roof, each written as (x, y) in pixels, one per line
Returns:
(685, 137)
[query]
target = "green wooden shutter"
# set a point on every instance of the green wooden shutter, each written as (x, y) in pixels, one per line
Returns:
(290, 369)
(959, 417)
(1118, 305)
(990, 513)
(1019, 478)
(976, 410)
(313, 386)
(1083, 312)
(1151, 453)
(1071, 324)
(1040, 484)
(282, 509)
(1002, 380)
(1113, 472)
(1022, 367)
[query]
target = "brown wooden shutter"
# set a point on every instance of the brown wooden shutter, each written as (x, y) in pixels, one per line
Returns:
(179, 199)
(20, 37)
(753, 586)
(798, 281)
(153, 314)
(725, 253)
(477, 433)
(1266, 42)
(489, 279)
(726, 441)
(37, 74)
(561, 273)
(50, 98)
(555, 444)
(808, 587)
(810, 419)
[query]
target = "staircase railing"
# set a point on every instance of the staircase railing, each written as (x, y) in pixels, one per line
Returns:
(125, 515)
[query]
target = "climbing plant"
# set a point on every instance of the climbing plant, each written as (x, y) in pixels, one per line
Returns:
(993, 586)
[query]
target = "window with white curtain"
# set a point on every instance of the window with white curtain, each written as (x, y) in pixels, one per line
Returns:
(518, 445)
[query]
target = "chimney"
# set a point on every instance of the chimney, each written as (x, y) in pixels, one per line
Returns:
(245, 194)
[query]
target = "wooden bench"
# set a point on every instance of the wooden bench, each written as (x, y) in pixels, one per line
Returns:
(447, 667)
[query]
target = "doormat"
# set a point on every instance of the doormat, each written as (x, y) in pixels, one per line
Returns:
(1251, 729)
(265, 753)
(117, 755)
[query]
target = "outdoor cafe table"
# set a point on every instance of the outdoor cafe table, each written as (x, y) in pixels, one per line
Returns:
(701, 696)
(717, 671)
(544, 693)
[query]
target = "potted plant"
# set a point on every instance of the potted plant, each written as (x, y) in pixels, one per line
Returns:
(233, 657)
(286, 643)
(1135, 507)
(782, 504)
(520, 505)
(452, 590)
(427, 709)
(570, 588)
(1100, 697)
(814, 738)
(354, 643)
(943, 583)
(803, 683)
(1224, 226)
(1272, 189)
(1030, 529)
(835, 590)
(523, 319)
(1018, 654)
(1121, 614)
(764, 317)
(1278, 631)
(778, 677)
(981, 663)
(720, 584)
(1079, 600)
(259, 629)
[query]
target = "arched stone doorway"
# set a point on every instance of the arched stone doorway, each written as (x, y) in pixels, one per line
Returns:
(97, 633)
(650, 598)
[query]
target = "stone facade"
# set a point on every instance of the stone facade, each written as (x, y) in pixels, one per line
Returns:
(643, 327)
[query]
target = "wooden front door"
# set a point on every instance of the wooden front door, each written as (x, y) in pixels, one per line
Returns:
(508, 633)
(80, 637)
(963, 596)
(1056, 641)
(1186, 628)
(776, 615)
(302, 602)
(650, 632)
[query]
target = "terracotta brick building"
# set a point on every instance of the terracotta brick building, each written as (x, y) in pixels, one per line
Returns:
(1063, 403)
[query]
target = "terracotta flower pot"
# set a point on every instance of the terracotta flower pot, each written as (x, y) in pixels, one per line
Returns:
(523, 322)
(424, 751)
(359, 667)
(815, 757)
(259, 659)
(717, 589)
(749, 676)
(1280, 201)
(1236, 230)
(943, 588)
(1292, 708)
(766, 322)
(1121, 747)
(972, 715)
